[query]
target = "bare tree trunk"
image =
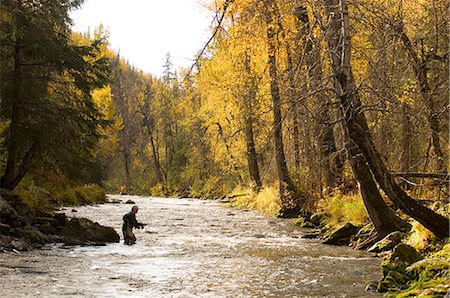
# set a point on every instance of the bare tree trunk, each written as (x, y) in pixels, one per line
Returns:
(421, 68)
(331, 163)
(252, 157)
(288, 193)
(355, 121)
(406, 138)
(127, 161)
(160, 175)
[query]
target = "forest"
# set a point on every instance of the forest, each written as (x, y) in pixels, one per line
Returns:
(331, 107)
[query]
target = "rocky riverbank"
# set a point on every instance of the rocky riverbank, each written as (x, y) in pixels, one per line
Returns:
(22, 229)
(407, 272)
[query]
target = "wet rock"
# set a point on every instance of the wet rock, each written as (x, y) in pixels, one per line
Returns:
(84, 229)
(388, 242)
(130, 202)
(8, 243)
(74, 210)
(19, 245)
(341, 236)
(311, 235)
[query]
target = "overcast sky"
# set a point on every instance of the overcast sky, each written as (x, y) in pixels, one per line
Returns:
(145, 30)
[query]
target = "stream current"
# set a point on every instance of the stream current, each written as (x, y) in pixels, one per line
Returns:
(190, 248)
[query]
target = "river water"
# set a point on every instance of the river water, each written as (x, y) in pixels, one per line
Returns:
(190, 248)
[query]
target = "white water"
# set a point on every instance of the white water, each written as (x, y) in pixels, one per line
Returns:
(191, 248)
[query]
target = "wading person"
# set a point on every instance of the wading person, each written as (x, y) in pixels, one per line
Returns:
(130, 222)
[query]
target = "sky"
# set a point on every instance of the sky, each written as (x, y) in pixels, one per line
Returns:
(144, 31)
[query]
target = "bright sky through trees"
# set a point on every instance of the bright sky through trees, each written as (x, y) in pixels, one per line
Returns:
(145, 30)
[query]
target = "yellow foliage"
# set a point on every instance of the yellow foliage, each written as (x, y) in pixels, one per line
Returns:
(266, 200)
(343, 208)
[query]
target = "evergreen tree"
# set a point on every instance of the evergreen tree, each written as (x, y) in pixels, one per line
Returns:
(46, 87)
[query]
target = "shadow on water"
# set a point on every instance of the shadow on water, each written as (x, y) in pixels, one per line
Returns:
(191, 248)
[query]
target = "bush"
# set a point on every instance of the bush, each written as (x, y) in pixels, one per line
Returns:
(37, 198)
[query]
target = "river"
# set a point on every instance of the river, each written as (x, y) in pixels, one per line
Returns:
(190, 248)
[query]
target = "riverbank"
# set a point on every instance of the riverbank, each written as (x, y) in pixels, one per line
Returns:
(23, 228)
(415, 262)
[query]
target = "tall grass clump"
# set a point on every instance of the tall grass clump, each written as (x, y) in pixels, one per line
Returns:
(340, 208)
(265, 200)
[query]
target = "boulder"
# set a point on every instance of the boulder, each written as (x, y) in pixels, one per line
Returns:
(342, 235)
(393, 280)
(84, 229)
(61, 219)
(388, 242)
(130, 202)
(5, 229)
(404, 255)
(22, 214)
(8, 243)
(429, 268)
(314, 235)
(26, 214)
(32, 236)
(8, 214)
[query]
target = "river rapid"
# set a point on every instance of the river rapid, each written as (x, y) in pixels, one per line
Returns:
(190, 248)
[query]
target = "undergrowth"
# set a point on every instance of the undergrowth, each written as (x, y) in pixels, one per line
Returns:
(45, 191)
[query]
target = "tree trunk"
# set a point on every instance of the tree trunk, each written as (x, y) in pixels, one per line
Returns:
(331, 163)
(356, 124)
(383, 219)
(160, 176)
(252, 158)
(16, 167)
(420, 67)
(406, 139)
(288, 193)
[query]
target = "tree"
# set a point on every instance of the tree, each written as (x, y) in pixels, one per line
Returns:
(290, 197)
(359, 137)
(46, 87)
(332, 165)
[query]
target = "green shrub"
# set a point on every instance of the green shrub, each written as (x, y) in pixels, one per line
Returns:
(90, 194)
(37, 198)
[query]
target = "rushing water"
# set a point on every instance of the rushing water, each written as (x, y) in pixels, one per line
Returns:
(191, 248)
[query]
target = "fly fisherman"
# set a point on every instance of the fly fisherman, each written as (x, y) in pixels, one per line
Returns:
(130, 222)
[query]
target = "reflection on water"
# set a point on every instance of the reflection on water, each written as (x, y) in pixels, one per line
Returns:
(191, 248)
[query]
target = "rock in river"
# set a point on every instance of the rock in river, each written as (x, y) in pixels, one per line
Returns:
(84, 229)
